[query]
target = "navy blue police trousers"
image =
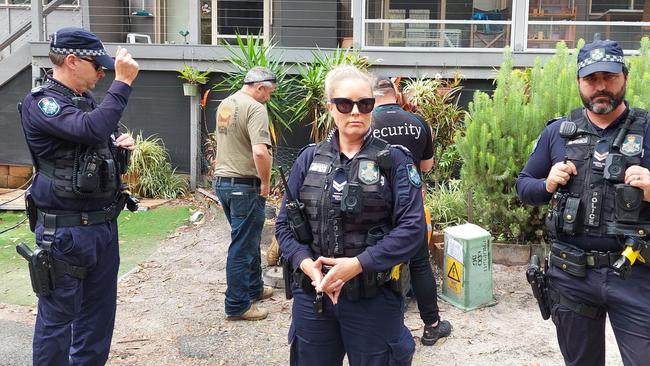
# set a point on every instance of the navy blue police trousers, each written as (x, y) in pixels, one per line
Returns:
(625, 302)
(371, 331)
(74, 325)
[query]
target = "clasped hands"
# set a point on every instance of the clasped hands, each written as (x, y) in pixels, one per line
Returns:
(561, 172)
(340, 271)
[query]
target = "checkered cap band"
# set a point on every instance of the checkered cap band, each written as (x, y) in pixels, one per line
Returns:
(77, 51)
(607, 58)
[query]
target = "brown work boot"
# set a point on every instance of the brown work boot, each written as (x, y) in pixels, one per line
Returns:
(253, 313)
(267, 291)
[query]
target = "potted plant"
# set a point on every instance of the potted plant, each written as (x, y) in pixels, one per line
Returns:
(193, 78)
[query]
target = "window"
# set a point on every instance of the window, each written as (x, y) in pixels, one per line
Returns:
(239, 17)
(601, 6)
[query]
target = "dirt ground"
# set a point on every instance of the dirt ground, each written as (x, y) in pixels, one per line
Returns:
(170, 312)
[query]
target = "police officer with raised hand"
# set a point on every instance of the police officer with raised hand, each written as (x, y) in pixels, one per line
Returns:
(77, 195)
(593, 167)
(363, 204)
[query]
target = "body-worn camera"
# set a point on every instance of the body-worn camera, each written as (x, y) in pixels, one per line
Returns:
(351, 201)
(615, 168)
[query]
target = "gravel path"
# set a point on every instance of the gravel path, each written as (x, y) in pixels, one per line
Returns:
(170, 312)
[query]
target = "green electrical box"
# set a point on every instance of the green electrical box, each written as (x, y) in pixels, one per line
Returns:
(467, 267)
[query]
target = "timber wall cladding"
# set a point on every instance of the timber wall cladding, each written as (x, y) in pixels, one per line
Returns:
(13, 176)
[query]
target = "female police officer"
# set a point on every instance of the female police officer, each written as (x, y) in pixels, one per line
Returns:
(363, 204)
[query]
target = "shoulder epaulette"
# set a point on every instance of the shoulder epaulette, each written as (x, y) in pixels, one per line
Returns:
(305, 148)
(404, 149)
(37, 90)
(553, 120)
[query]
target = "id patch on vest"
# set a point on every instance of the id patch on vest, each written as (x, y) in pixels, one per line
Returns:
(632, 145)
(49, 106)
(319, 167)
(368, 172)
(414, 176)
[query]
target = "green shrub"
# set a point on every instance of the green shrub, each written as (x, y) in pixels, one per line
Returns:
(436, 100)
(501, 130)
(150, 174)
(447, 204)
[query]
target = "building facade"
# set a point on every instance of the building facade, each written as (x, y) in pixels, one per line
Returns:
(414, 38)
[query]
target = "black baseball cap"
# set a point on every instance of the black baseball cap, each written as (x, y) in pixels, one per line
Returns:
(600, 56)
(80, 42)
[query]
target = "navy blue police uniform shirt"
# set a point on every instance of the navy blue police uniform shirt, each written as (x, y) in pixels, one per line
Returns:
(549, 150)
(51, 122)
(398, 127)
(398, 190)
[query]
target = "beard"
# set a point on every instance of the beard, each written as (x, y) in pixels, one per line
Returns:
(615, 101)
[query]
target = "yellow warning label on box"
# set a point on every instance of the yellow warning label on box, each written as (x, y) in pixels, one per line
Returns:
(454, 275)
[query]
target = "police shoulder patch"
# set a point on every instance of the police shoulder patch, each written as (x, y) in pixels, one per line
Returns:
(632, 144)
(368, 172)
(414, 176)
(49, 106)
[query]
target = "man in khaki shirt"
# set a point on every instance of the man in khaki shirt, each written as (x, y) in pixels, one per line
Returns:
(242, 175)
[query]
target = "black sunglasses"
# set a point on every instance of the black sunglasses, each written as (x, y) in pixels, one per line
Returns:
(95, 64)
(345, 105)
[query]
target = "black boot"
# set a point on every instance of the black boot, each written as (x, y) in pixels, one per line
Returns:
(432, 334)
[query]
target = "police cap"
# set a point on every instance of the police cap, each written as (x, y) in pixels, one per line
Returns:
(598, 56)
(80, 42)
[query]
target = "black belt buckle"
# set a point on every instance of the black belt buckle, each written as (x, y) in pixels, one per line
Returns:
(84, 218)
(596, 259)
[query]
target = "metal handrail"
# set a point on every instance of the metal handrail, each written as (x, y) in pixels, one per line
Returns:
(26, 26)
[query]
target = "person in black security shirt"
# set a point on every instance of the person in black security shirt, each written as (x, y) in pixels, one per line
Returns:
(352, 184)
(586, 223)
(66, 130)
(399, 127)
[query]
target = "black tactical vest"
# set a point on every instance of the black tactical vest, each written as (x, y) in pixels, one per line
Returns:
(592, 202)
(81, 171)
(337, 233)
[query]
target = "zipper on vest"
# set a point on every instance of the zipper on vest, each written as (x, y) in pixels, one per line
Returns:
(325, 197)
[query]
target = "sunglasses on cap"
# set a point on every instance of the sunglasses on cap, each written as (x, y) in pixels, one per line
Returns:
(345, 105)
(95, 64)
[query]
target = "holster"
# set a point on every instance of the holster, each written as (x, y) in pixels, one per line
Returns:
(287, 277)
(568, 258)
(41, 272)
(400, 279)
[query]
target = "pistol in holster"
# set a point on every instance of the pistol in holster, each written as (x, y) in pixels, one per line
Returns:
(41, 269)
(539, 283)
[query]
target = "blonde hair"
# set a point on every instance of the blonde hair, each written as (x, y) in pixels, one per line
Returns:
(345, 72)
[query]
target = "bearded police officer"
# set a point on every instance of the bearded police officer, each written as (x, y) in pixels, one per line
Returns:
(76, 197)
(593, 167)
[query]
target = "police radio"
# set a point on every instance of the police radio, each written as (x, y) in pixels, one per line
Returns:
(296, 215)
